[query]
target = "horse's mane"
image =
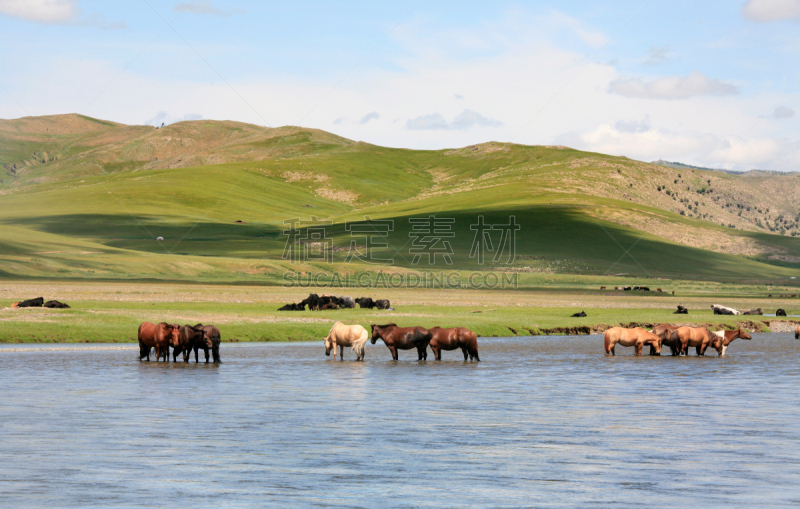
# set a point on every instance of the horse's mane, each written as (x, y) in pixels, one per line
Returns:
(332, 326)
(387, 325)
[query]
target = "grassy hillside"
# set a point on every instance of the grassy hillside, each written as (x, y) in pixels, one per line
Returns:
(83, 198)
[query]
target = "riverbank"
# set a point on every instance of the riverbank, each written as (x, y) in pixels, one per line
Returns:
(112, 312)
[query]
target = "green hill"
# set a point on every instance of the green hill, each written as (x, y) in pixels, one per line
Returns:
(84, 198)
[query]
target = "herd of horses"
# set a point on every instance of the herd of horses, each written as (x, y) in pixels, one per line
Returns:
(183, 339)
(678, 339)
(402, 338)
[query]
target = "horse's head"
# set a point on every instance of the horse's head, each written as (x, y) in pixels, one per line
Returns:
(744, 334)
(375, 333)
(655, 342)
(328, 345)
(174, 332)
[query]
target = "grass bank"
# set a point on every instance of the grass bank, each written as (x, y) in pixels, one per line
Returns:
(111, 312)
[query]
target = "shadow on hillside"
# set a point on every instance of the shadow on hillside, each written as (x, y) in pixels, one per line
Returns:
(141, 232)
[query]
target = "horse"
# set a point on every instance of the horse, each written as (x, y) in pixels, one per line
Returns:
(636, 337)
(402, 338)
(186, 340)
(797, 333)
(341, 335)
(664, 332)
(159, 337)
(450, 339)
(210, 341)
(727, 337)
(699, 337)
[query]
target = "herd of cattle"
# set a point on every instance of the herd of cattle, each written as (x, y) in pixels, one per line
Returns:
(39, 302)
(321, 302)
(183, 339)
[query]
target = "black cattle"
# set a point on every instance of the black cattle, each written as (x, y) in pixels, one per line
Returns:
(681, 311)
(346, 302)
(579, 315)
(293, 307)
(780, 312)
(366, 302)
(644, 288)
(31, 303)
(383, 303)
(627, 288)
(756, 311)
(55, 304)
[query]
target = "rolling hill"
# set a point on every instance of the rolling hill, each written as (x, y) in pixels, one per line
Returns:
(86, 198)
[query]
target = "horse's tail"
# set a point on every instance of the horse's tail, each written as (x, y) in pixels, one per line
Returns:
(359, 345)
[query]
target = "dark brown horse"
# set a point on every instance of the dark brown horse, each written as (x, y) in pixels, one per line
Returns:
(188, 337)
(450, 339)
(402, 338)
(160, 337)
(210, 341)
(664, 331)
(730, 335)
(699, 337)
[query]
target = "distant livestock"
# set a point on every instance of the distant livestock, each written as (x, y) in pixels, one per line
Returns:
(366, 302)
(54, 304)
(383, 303)
(30, 303)
(724, 310)
(681, 311)
(780, 312)
(756, 311)
(579, 315)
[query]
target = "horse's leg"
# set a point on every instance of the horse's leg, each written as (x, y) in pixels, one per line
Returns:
(205, 351)
(393, 351)
(464, 351)
(638, 349)
(341, 352)
(699, 350)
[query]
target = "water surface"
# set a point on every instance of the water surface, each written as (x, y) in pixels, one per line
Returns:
(546, 421)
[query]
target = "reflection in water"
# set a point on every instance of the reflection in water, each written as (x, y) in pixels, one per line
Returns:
(540, 422)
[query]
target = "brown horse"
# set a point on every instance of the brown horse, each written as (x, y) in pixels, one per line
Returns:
(636, 337)
(797, 333)
(187, 338)
(159, 337)
(450, 339)
(664, 332)
(402, 338)
(729, 335)
(699, 337)
(210, 341)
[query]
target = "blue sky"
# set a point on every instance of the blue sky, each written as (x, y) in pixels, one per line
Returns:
(713, 83)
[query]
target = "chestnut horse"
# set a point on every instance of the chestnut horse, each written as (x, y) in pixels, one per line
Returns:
(402, 338)
(729, 335)
(636, 337)
(341, 335)
(450, 339)
(699, 337)
(159, 337)
(664, 332)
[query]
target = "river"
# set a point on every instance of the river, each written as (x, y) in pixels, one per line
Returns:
(544, 421)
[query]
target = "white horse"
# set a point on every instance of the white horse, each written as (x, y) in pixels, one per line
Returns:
(341, 335)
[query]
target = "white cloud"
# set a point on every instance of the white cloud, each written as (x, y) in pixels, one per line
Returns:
(205, 7)
(369, 116)
(657, 54)
(465, 120)
(162, 117)
(696, 148)
(771, 10)
(41, 11)
(781, 112)
(672, 87)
